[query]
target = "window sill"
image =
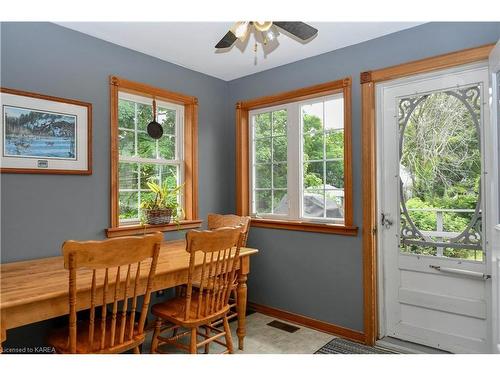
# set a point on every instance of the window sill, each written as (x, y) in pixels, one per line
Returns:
(129, 230)
(305, 226)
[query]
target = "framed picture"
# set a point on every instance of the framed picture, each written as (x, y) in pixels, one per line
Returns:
(44, 134)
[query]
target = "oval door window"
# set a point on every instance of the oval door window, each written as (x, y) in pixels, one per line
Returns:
(440, 173)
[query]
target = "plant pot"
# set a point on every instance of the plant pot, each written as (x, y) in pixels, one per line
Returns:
(158, 216)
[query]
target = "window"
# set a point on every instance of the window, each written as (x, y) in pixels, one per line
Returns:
(136, 158)
(297, 146)
(142, 158)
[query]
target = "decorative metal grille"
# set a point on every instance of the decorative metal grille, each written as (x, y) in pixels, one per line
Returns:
(471, 236)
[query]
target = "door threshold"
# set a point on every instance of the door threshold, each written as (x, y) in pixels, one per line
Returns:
(406, 347)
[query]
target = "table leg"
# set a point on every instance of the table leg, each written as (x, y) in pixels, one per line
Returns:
(241, 308)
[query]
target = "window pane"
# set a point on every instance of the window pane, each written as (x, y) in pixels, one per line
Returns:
(263, 125)
(166, 147)
(313, 146)
(149, 172)
(126, 143)
(279, 122)
(334, 113)
(280, 175)
(334, 204)
(313, 175)
(312, 117)
(279, 149)
(313, 203)
(334, 144)
(280, 202)
(169, 173)
(127, 175)
(157, 173)
(146, 146)
(335, 174)
(263, 150)
(263, 176)
(126, 114)
(127, 202)
(440, 173)
(263, 201)
(166, 117)
(144, 116)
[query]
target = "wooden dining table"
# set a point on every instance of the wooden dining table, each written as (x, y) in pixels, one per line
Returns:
(36, 290)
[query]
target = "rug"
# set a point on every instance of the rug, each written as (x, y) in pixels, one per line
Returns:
(341, 346)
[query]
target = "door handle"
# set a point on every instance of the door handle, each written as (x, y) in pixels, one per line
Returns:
(458, 271)
(386, 222)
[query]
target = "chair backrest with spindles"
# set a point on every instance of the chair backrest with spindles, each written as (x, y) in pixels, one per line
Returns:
(219, 253)
(112, 270)
(216, 221)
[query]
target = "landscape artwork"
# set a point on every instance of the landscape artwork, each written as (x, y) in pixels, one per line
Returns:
(32, 133)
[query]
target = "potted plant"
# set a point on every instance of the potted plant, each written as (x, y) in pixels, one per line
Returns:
(164, 206)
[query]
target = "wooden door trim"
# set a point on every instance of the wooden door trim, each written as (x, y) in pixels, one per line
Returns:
(368, 81)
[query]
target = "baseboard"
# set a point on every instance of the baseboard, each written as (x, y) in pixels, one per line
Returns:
(305, 321)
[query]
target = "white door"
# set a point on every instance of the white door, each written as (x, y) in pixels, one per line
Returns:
(434, 209)
(494, 65)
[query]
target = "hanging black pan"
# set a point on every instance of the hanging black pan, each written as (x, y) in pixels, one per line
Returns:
(155, 130)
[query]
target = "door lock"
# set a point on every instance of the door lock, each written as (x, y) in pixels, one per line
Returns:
(386, 222)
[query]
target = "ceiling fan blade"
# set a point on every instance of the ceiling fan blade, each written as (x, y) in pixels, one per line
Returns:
(227, 41)
(301, 30)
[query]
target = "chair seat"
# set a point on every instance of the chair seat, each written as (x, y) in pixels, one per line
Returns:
(174, 310)
(59, 339)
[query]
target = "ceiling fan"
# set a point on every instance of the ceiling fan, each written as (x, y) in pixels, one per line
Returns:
(241, 29)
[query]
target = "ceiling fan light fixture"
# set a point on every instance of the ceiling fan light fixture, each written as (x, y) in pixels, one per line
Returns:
(270, 35)
(240, 29)
(262, 25)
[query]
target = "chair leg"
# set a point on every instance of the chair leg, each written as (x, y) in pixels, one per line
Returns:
(156, 333)
(137, 350)
(193, 348)
(234, 295)
(207, 345)
(229, 339)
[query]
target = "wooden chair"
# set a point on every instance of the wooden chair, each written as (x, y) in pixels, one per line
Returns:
(112, 270)
(216, 221)
(214, 256)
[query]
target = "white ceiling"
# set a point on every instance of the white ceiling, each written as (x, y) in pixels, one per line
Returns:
(191, 44)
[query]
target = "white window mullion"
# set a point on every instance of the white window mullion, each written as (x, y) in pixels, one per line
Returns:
(294, 156)
(324, 160)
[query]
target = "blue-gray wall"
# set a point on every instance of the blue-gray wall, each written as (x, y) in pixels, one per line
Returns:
(317, 275)
(320, 275)
(39, 212)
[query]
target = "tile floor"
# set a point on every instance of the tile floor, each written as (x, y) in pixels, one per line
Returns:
(263, 339)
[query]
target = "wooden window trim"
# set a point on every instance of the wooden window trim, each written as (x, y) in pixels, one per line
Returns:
(242, 156)
(190, 104)
(369, 180)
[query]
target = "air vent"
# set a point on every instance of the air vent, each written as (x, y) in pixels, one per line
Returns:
(283, 326)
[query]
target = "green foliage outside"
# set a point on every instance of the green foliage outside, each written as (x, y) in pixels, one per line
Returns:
(441, 157)
(271, 157)
(131, 173)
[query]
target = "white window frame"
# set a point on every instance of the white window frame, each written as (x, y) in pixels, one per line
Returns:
(179, 147)
(295, 175)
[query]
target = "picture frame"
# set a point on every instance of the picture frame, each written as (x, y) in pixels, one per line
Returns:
(44, 134)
